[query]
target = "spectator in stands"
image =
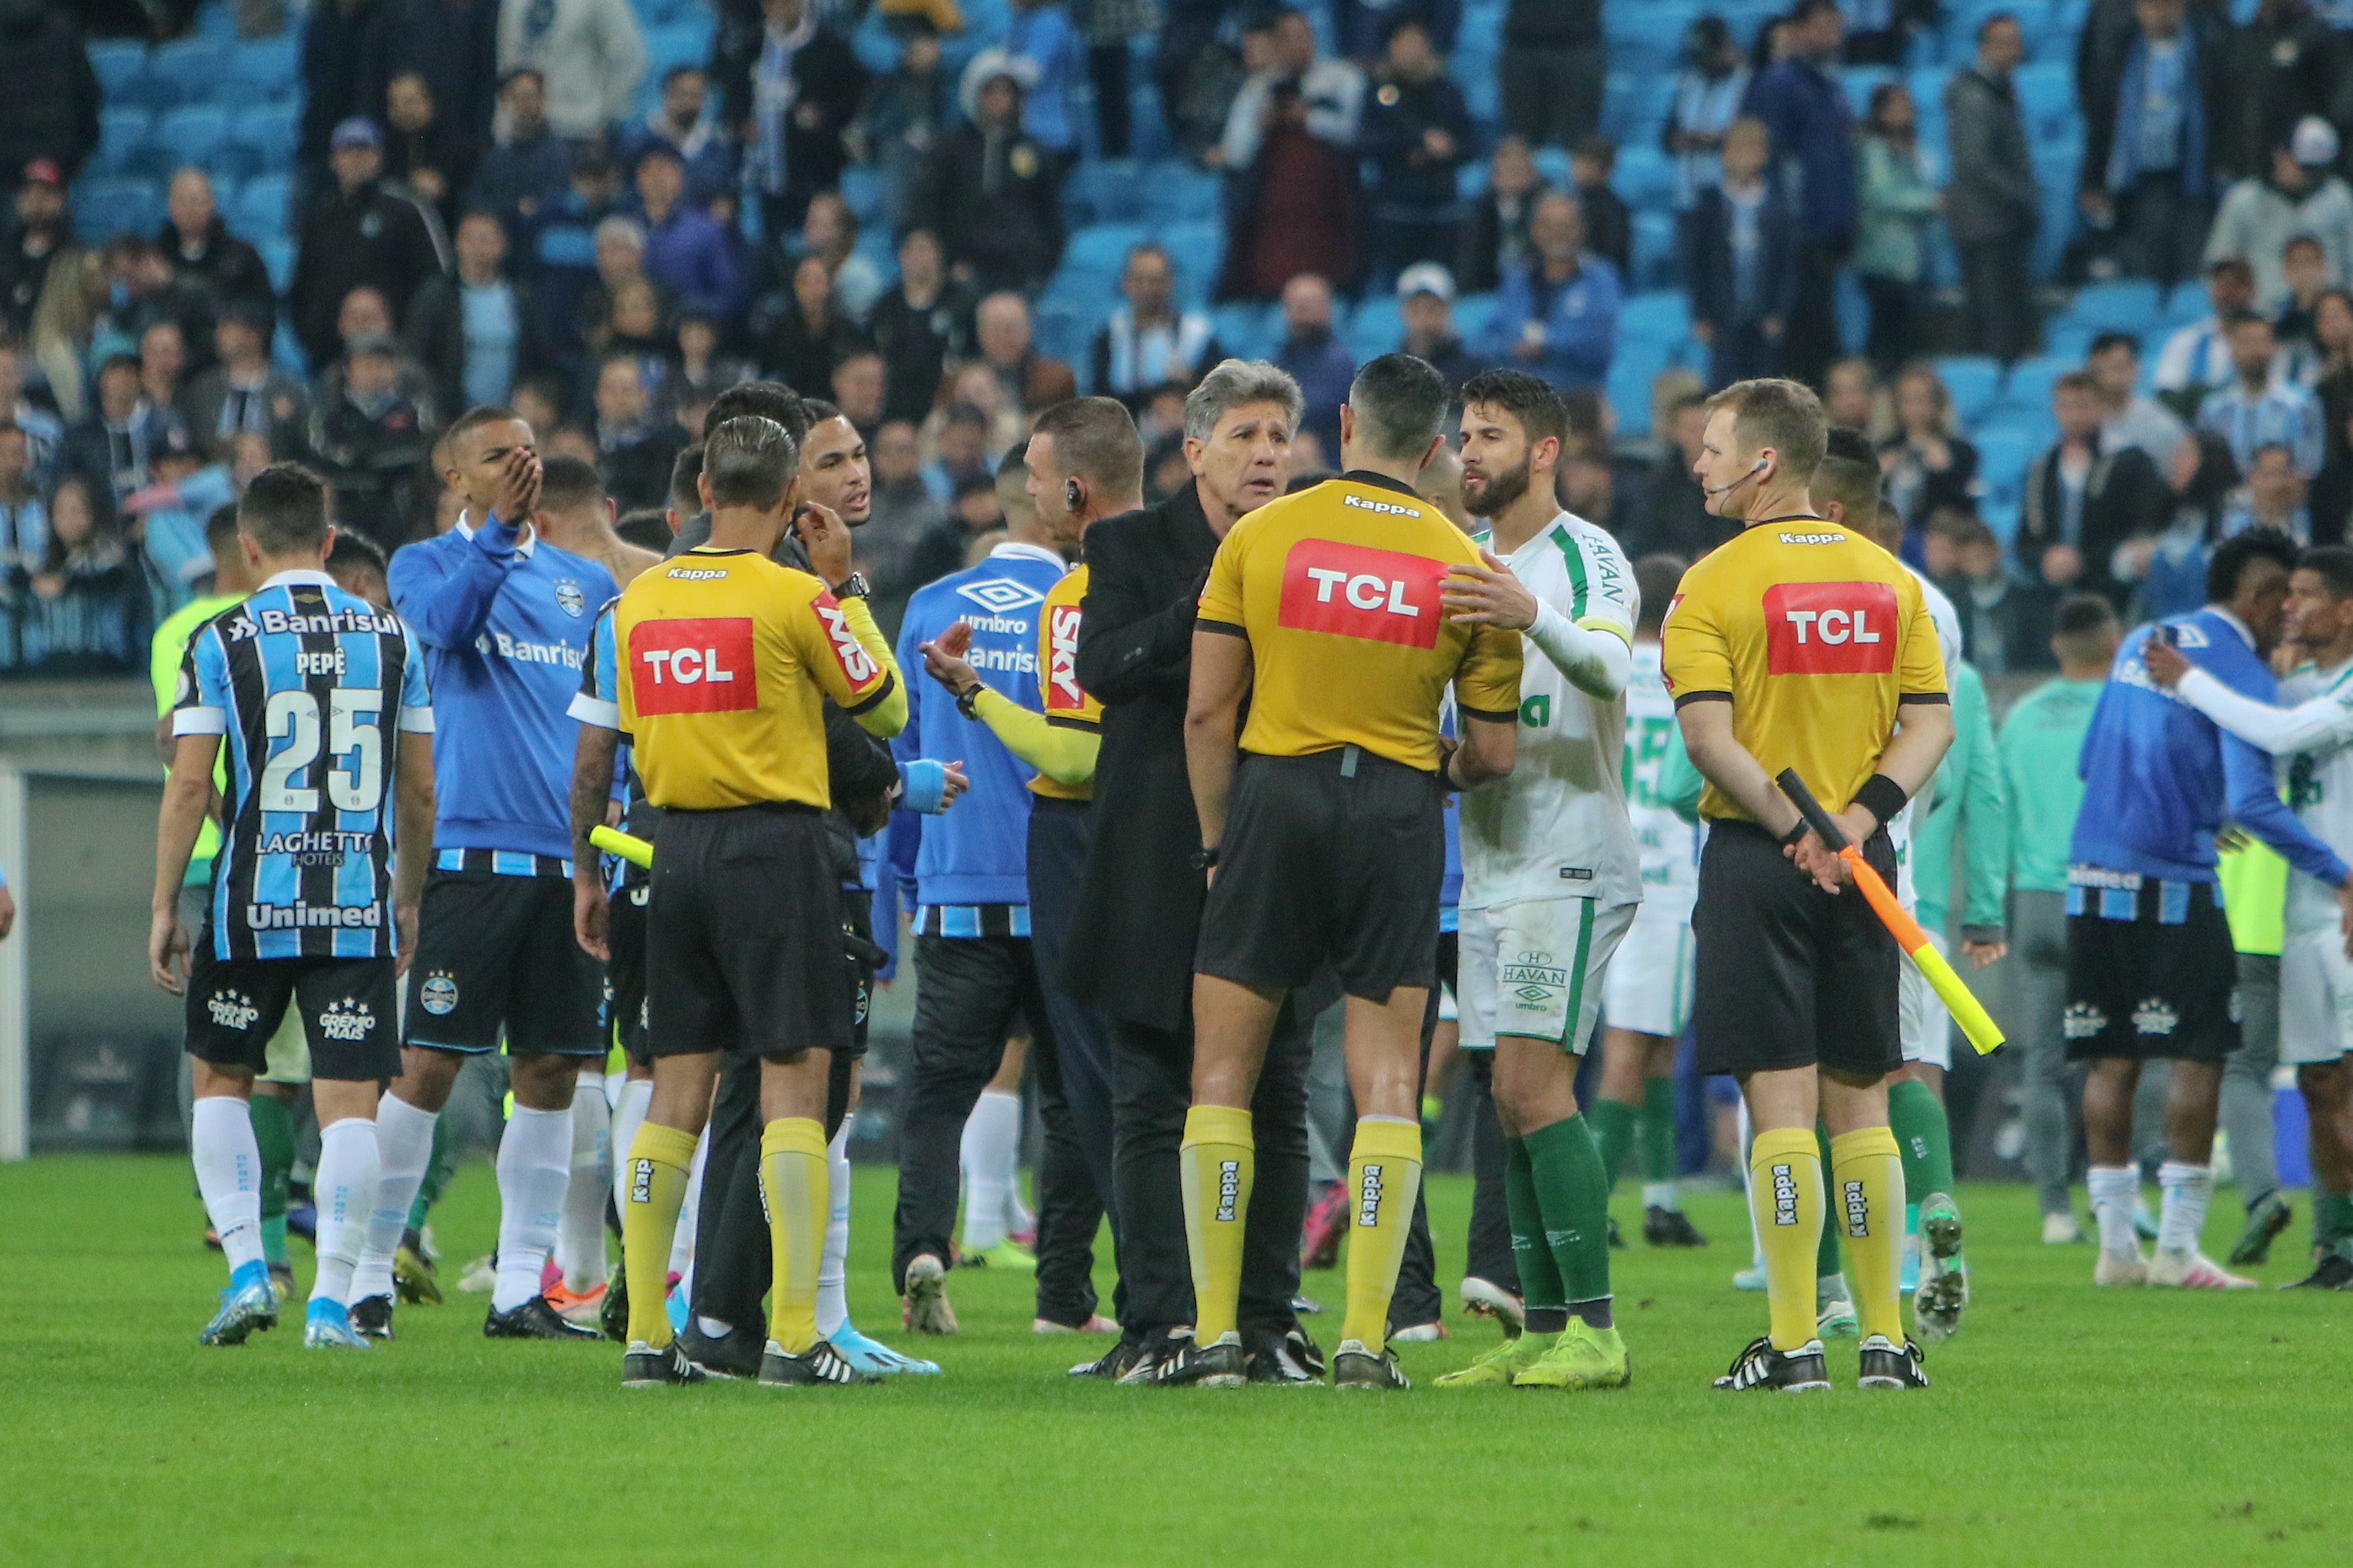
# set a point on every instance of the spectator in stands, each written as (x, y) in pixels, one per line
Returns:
(905, 113)
(1147, 342)
(2301, 196)
(358, 234)
(799, 335)
(163, 366)
(2332, 488)
(1296, 210)
(167, 517)
(919, 324)
(1709, 90)
(89, 612)
(1032, 381)
(1316, 359)
(2166, 574)
(475, 332)
(201, 249)
(142, 289)
(2273, 497)
(1927, 464)
(683, 122)
(1897, 204)
(686, 253)
(959, 452)
(1675, 520)
(904, 511)
(636, 330)
(2282, 66)
(1557, 319)
(1495, 241)
(2128, 416)
(702, 370)
(1330, 93)
(2332, 388)
(1426, 300)
(860, 387)
(620, 262)
(366, 316)
(2084, 498)
(1551, 72)
(2304, 265)
(245, 392)
(1418, 132)
(453, 44)
(370, 443)
(23, 527)
(1992, 200)
(2005, 619)
(994, 198)
(1881, 30)
(1108, 28)
(48, 94)
(331, 39)
(1805, 112)
(1043, 38)
(523, 176)
(635, 446)
(2197, 358)
(424, 155)
(42, 228)
(589, 52)
(2147, 171)
(799, 92)
(109, 448)
(1609, 222)
(829, 231)
(2256, 409)
(43, 431)
(1741, 264)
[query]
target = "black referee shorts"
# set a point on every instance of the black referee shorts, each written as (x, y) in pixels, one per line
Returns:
(743, 947)
(1788, 975)
(1334, 858)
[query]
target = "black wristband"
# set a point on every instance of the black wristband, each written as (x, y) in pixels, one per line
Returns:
(1789, 839)
(1882, 796)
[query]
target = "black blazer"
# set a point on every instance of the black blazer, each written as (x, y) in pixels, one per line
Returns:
(1139, 912)
(2124, 498)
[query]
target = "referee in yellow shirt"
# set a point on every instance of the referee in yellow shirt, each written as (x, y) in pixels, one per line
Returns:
(1325, 834)
(724, 658)
(1801, 645)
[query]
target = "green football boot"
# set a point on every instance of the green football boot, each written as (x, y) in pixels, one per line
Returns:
(1581, 1358)
(1498, 1366)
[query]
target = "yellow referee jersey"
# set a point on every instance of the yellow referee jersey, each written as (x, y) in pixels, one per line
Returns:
(1338, 590)
(1067, 706)
(725, 657)
(1815, 635)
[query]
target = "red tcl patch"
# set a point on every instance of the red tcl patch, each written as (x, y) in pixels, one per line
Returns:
(1384, 595)
(699, 665)
(1063, 692)
(1829, 628)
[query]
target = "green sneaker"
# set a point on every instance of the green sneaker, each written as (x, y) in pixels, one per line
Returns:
(1498, 1366)
(1944, 1288)
(1581, 1358)
(1005, 1256)
(2270, 1216)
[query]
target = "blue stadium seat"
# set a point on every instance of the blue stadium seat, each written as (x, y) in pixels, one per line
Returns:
(105, 208)
(1377, 327)
(868, 190)
(261, 208)
(1645, 178)
(2067, 342)
(121, 132)
(1656, 265)
(2046, 100)
(264, 137)
(1973, 381)
(215, 20)
(1628, 390)
(1060, 327)
(2003, 452)
(1097, 192)
(1176, 192)
(1470, 313)
(191, 134)
(2129, 305)
(197, 68)
(2028, 385)
(1101, 249)
(1249, 331)
(1199, 251)
(118, 63)
(684, 43)
(267, 67)
(277, 255)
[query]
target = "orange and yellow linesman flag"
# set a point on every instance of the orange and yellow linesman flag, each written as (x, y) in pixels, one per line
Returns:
(613, 841)
(1966, 1010)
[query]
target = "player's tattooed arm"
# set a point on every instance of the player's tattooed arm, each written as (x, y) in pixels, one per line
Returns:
(412, 804)
(592, 794)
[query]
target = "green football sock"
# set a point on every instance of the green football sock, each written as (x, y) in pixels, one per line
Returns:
(2332, 1221)
(1826, 1257)
(1572, 1190)
(1659, 1130)
(438, 1171)
(1611, 1127)
(273, 1136)
(1539, 1277)
(1923, 1137)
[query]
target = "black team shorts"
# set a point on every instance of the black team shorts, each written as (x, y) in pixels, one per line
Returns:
(743, 949)
(347, 1007)
(496, 950)
(625, 973)
(1333, 858)
(1788, 975)
(2150, 969)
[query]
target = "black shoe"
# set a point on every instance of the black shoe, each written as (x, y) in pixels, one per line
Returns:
(736, 1355)
(1669, 1227)
(645, 1367)
(1355, 1366)
(1887, 1365)
(2268, 1217)
(1616, 1240)
(2332, 1272)
(1159, 1345)
(613, 1317)
(1761, 1366)
(1220, 1363)
(1114, 1363)
(534, 1320)
(1293, 1359)
(372, 1317)
(819, 1364)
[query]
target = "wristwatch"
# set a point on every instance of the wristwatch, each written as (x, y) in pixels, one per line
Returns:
(1204, 858)
(851, 587)
(968, 701)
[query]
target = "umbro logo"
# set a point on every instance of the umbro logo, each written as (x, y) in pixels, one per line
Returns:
(1002, 595)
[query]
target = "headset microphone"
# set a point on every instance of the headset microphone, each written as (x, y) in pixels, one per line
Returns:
(1725, 490)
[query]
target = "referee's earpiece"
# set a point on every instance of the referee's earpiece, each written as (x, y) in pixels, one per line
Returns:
(1072, 495)
(1755, 469)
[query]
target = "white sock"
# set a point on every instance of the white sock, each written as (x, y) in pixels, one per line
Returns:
(628, 1115)
(681, 1241)
(345, 1191)
(2188, 1190)
(2115, 1189)
(404, 1141)
(580, 1237)
(833, 1267)
(1660, 1196)
(535, 1170)
(991, 1148)
(228, 1174)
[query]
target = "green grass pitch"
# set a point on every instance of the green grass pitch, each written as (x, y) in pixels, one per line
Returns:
(2067, 1426)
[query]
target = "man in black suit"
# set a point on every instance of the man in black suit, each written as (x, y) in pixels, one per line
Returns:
(1131, 953)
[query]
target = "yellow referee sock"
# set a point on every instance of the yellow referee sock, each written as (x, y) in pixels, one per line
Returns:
(1217, 1160)
(661, 1159)
(1785, 1189)
(793, 1188)
(1383, 1174)
(1867, 1176)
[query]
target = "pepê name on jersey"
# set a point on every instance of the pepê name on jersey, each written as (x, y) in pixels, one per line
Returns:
(1355, 591)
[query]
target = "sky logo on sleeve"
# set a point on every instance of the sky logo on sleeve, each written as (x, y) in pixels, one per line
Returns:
(1063, 694)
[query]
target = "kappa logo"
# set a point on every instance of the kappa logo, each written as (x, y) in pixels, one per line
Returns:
(1229, 1189)
(232, 1010)
(1389, 508)
(438, 994)
(1858, 1211)
(349, 1020)
(570, 599)
(1001, 595)
(1785, 1195)
(2155, 1016)
(1830, 628)
(2082, 1021)
(1353, 591)
(1368, 1198)
(642, 1181)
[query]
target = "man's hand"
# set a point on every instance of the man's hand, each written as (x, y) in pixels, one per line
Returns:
(404, 924)
(825, 538)
(592, 914)
(1830, 871)
(1488, 595)
(955, 781)
(1982, 953)
(167, 952)
(2166, 664)
(517, 493)
(944, 658)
